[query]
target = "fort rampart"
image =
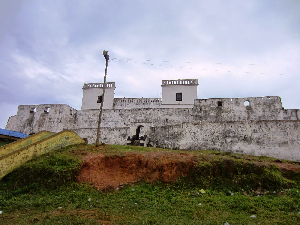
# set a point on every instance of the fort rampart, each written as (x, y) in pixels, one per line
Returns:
(253, 125)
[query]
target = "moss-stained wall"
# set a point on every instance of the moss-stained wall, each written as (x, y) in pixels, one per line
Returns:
(278, 139)
(14, 159)
(6, 149)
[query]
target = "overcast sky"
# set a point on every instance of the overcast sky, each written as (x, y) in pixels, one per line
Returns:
(235, 48)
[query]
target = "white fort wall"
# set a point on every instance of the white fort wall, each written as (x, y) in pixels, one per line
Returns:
(255, 125)
(278, 139)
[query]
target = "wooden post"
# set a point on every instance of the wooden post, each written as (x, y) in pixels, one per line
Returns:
(106, 56)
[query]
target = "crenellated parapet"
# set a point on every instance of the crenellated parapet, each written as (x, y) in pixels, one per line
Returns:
(180, 82)
(99, 85)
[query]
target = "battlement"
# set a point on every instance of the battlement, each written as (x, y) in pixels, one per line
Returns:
(180, 82)
(99, 85)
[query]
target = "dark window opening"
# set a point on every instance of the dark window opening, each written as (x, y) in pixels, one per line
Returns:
(220, 103)
(47, 110)
(33, 110)
(99, 99)
(178, 96)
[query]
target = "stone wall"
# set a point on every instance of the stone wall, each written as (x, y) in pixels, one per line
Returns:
(251, 125)
(278, 139)
(240, 109)
(51, 117)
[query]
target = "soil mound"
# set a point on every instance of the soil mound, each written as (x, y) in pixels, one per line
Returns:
(109, 172)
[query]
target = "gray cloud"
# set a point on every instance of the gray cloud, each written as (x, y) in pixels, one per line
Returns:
(48, 49)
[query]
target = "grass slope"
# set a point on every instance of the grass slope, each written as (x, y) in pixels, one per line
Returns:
(44, 191)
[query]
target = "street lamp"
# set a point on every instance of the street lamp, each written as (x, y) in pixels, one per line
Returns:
(106, 56)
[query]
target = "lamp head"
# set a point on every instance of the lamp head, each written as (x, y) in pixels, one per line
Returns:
(105, 54)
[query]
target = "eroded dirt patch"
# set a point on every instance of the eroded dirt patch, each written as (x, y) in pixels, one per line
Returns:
(109, 172)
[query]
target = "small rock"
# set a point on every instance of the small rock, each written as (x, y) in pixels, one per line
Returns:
(253, 216)
(133, 190)
(199, 204)
(226, 223)
(1, 212)
(135, 203)
(298, 212)
(59, 207)
(89, 199)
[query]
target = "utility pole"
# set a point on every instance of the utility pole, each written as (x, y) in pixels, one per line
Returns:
(106, 56)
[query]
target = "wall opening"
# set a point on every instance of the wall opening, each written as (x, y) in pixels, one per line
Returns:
(47, 110)
(220, 103)
(138, 132)
(33, 110)
(246, 103)
(178, 96)
(99, 99)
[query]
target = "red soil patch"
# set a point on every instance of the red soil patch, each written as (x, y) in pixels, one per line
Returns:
(109, 172)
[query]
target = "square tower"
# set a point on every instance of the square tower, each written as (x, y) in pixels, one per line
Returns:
(92, 95)
(179, 92)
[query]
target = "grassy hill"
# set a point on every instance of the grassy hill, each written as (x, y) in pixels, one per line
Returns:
(217, 188)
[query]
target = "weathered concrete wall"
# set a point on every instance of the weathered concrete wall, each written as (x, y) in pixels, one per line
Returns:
(209, 114)
(14, 159)
(131, 103)
(34, 118)
(279, 139)
(144, 103)
(31, 119)
(235, 109)
(107, 135)
(13, 122)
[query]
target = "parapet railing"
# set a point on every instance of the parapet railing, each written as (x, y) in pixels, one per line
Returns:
(180, 82)
(99, 85)
(137, 100)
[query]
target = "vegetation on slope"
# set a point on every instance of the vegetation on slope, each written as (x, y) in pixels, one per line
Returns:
(221, 188)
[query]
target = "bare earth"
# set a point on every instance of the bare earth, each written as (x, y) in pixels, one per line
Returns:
(110, 172)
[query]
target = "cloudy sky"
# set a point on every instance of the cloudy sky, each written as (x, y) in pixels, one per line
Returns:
(236, 48)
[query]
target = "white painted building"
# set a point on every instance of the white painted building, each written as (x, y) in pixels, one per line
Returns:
(179, 93)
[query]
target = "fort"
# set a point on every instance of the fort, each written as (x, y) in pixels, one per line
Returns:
(178, 120)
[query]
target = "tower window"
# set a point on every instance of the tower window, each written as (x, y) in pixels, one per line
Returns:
(220, 103)
(99, 99)
(178, 96)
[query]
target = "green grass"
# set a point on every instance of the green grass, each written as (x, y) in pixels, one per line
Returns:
(44, 191)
